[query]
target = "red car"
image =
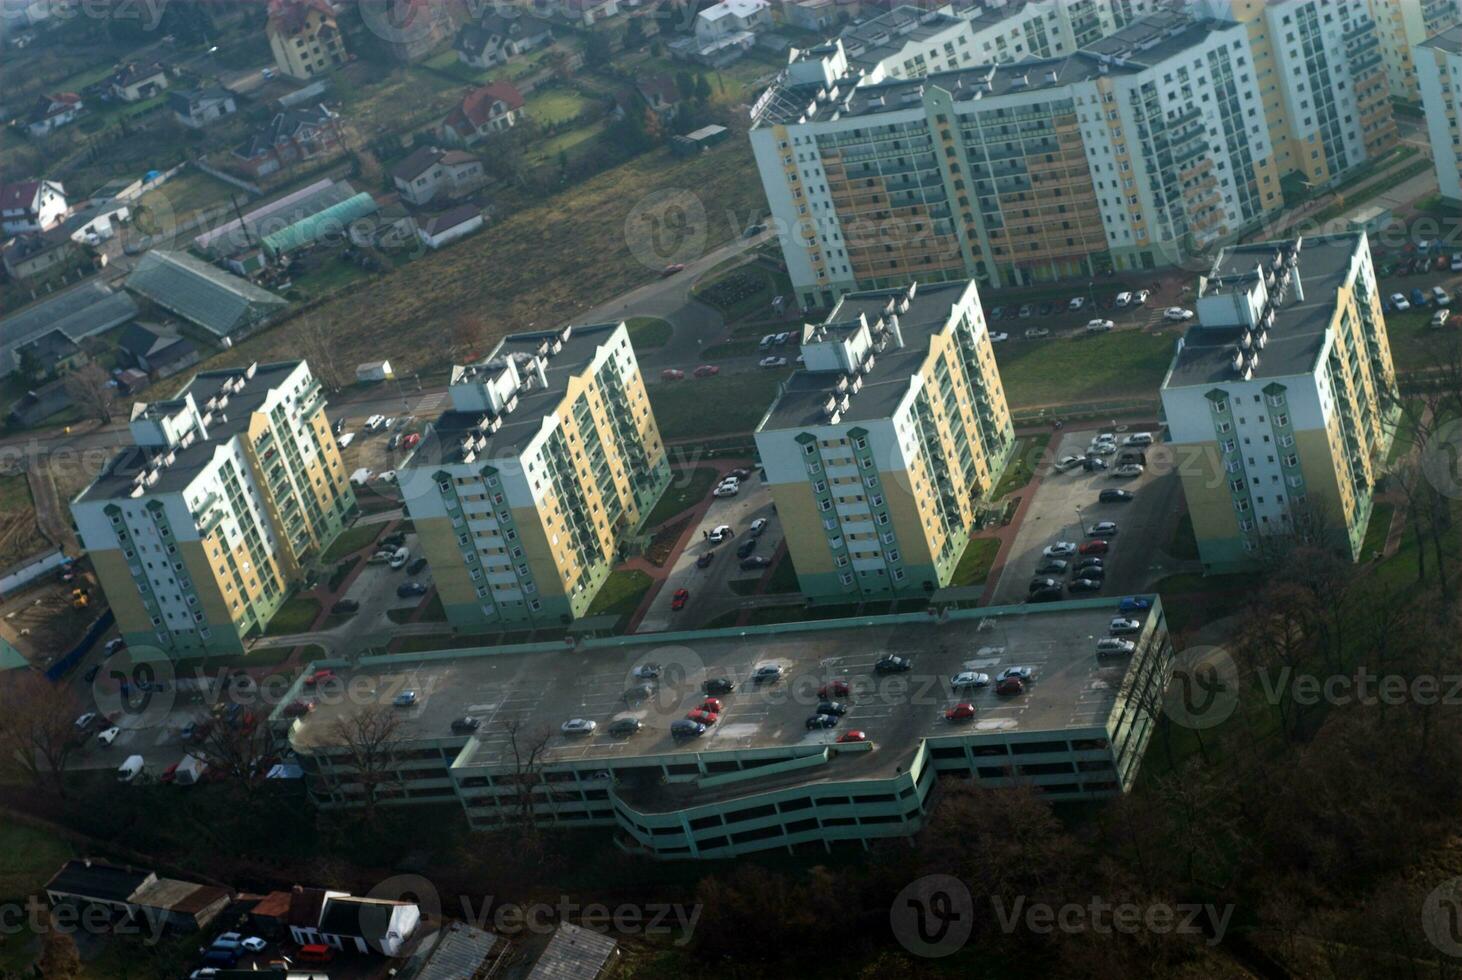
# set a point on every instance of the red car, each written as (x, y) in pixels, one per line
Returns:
(679, 599)
(320, 677)
(707, 371)
(713, 705)
(853, 736)
(703, 716)
(960, 712)
(838, 688)
(1098, 547)
(410, 441)
(1010, 685)
(672, 374)
(671, 270)
(169, 774)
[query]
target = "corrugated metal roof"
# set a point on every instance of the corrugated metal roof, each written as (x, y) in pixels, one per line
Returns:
(77, 313)
(574, 953)
(200, 293)
(333, 220)
(460, 953)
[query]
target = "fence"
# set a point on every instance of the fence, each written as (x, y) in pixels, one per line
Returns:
(29, 570)
(73, 656)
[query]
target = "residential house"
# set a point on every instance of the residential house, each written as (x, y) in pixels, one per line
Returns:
(36, 253)
(395, 228)
(447, 227)
(304, 37)
(730, 18)
(51, 112)
(267, 915)
(136, 81)
(79, 312)
(136, 894)
(291, 137)
(585, 13)
(199, 107)
(39, 404)
(344, 922)
(660, 93)
(430, 172)
(411, 30)
(160, 353)
(500, 37)
(813, 15)
(31, 205)
(484, 111)
(51, 355)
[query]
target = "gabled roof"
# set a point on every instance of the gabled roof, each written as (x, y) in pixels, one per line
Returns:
(365, 918)
(136, 71)
(46, 106)
(481, 105)
(184, 100)
(20, 195)
(31, 244)
(417, 164)
(662, 86)
(289, 17)
(461, 950)
(78, 313)
(288, 125)
(450, 219)
(213, 299)
(149, 342)
(97, 880)
(574, 953)
(304, 907)
(473, 38)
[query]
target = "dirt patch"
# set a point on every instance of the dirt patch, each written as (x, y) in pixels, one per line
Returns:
(42, 623)
(663, 543)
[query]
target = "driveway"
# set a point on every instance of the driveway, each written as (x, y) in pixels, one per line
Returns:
(1063, 502)
(709, 588)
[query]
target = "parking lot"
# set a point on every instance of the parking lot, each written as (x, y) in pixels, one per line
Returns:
(1052, 318)
(709, 588)
(1065, 506)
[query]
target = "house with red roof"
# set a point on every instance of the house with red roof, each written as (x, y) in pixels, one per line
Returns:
(483, 112)
(31, 205)
(51, 112)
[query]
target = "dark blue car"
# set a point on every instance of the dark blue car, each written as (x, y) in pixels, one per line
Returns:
(1418, 299)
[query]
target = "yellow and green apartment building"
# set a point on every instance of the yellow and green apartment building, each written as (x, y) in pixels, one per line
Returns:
(201, 528)
(880, 450)
(1281, 398)
(525, 489)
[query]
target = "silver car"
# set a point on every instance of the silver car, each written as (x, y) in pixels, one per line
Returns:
(579, 726)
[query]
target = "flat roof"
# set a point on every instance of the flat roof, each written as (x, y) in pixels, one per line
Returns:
(535, 690)
(115, 482)
(443, 443)
(1449, 40)
(805, 393)
(1297, 337)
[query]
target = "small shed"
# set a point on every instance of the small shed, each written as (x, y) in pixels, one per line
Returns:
(374, 371)
(698, 140)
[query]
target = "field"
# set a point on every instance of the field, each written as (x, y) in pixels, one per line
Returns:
(186, 194)
(687, 488)
(708, 407)
(555, 104)
(535, 268)
(620, 594)
(19, 534)
(1067, 370)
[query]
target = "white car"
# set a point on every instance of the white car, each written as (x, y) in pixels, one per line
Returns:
(1036, 333)
(1399, 303)
(389, 476)
(969, 678)
(1102, 449)
(646, 672)
(1061, 549)
(1123, 299)
(84, 722)
(1138, 439)
(375, 422)
(1077, 302)
(1177, 314)
(1100, 326)
(1128, 471)
(1140, 297)
(389, 422)
(579, 726)
(1114, 647)
(767, 341)
(720, 533)
(1023, 672)
(999, 338)
(1067, 462)
(726, 490)
(1104, 437)
(1122, 625)
(772, 362)
(758, 526)
(109, 735)
(1102, 529)
(254, 944)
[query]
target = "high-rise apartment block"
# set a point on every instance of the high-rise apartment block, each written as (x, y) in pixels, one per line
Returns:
(1439, 69)
(199, 530)
(524, 490)
(880, 449)
(1281, 398)
(1403, 26)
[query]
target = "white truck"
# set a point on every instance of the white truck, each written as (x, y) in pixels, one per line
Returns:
(190, 770)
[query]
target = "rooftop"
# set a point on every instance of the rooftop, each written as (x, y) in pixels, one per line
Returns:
(884, 383)
(460, 951)
(1303, 309)
(119, 478)
(204, 294)
(543, 685)
(77, 313)
(97, 879)
(574, 953)
(1449, 40)
(281, 213)
(505, 433)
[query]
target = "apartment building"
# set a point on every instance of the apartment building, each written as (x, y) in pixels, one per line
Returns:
(759, 779)
(304, 38)
(525, 489)
(1143, 146)
(199, 530)
(1322, 78)
(1402, 26)
(1281, 397)
(879, 451)
(1439, 71)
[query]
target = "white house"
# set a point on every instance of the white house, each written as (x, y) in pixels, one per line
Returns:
(31, 205)
(430, 172)
(51, 112)
(358, 925)
(730, 17)
(200, 107)
(447, 227)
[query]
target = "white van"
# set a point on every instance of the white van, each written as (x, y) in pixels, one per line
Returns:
(401, 557)
(129, 770)
(347, 439)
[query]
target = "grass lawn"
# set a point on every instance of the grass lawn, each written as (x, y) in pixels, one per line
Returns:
(1087, 368)
(1376, 531)
(333, 274)
(188, 193)
(565, 142)
(649, 332)
(620, 594)
(1024, 458)
(20, 535)
(743, 291)
(709, 407)
(687, 488)
(555, 104)
(295, 616)
(28, 858)
(974, 564)
(351, 540)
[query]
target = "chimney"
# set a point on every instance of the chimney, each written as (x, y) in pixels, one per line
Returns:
(538, 370)
(895, 332)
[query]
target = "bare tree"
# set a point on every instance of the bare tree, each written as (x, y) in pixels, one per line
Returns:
(528, 750)
(370, 740)
(318, 348)
(37, 729)
(91, 389)
(238, 749)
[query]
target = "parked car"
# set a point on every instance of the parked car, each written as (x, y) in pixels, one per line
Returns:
(969, 678)
(719, 533)
(1046, 595)
(836, 688)
(772, 362)
(624, 727)
(416, 567)
(766, 342)
(1138, 439)
(1052, 566)
(1122, 301)
(399, 558)
(718, 686)
(108, 735)
(701, 716)
(1038, 584)
(999, 337)
(1061, 549)
(646, 672)
(1439, 319)
(1084, 585)
(84, 722)
(705, 559)
(713, 705)
(1111, 646)
(579, 726)
(706, 370)
(1418, 298)
(407, 590)
(1177, 314)
(1440, 297)
(893, 665)
(679, 599)
(729, 488)
(1399, 303)
(1116, 496)
(1067, 462)
(960, 712)
(404, 700)
(767, 674)
(1100, 326)
(672, 269)
(1090, 561)
(1098, 547)
(1077, 302)
(1008, 686)
(856, 735)
(1140, 297)
(1122, 626)
(1103, 529)
(745, 548)
(685, 728)
(822, 721)
(757, 527)
(465, 725)
(1127, 471)
(672, 374)
(1026, 311)
(755, 561)
(1093, 463)
(1134, 603)
(1036, 333)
